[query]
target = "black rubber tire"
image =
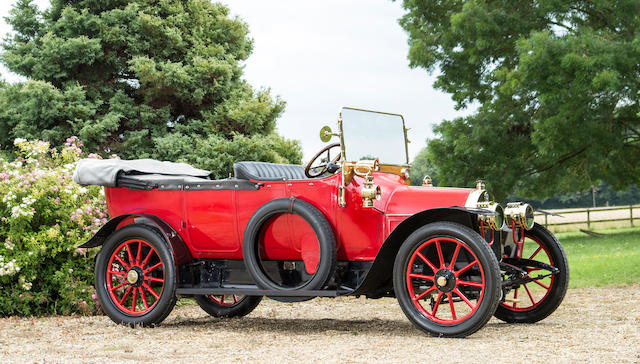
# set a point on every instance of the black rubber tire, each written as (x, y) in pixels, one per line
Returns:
(558, 289)
(321, 227)
(486, 259)
(241, 308)
(167, 299)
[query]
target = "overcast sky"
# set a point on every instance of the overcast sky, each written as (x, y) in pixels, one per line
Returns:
(320, 56)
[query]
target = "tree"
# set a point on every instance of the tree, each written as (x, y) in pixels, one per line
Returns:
(141, 79)
(557, 84)
(421, 167)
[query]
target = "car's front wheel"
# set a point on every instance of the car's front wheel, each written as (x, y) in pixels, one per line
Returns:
(228, 305)
(447, 279)
(135, 276)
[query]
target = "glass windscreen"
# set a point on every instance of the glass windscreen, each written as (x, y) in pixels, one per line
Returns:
(373, 135)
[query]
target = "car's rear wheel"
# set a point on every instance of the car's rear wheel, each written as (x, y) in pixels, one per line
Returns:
(135, 276)
(534, 301)
(228, 305)
(447, 280)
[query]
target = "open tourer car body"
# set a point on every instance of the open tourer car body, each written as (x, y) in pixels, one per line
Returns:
(346, 224)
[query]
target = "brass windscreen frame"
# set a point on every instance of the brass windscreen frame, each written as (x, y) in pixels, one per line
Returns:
(404, 129)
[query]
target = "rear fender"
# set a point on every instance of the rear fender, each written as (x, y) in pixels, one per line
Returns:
(378, 280)
(181, 253)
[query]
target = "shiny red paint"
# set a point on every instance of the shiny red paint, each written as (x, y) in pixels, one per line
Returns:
(212, 222)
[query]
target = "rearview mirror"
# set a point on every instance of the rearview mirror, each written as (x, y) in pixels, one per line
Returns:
(325, 134)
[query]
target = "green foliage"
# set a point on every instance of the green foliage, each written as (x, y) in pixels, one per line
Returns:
(44, 215)
(604, 196)
(138, 78)
(557, 84)
(422, 167)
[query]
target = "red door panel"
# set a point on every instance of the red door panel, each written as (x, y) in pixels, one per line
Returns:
(247, 202)
(211, 222)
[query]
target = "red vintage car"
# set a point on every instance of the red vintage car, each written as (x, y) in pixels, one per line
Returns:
(347, 224)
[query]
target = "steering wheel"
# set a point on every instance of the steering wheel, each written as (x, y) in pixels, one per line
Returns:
(312, 171)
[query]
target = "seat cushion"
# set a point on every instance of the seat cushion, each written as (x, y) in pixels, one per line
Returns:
(264, 171)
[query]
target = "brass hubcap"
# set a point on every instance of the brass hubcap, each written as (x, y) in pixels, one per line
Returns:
(442, 281)
(132, 276)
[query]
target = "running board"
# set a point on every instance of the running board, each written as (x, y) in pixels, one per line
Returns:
(250, 290)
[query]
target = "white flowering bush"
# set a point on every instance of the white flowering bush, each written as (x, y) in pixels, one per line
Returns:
(44, 216)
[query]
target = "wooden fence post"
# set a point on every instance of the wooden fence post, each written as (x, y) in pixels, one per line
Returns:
(631, 215)
(588, 219)
(546, 223)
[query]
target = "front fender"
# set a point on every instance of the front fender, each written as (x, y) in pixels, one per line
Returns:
(181, 253)
(378, 280)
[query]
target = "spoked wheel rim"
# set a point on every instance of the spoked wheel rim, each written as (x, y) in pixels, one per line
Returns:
(534, 292)
(228, 300)
(135, 277)
(449, 266)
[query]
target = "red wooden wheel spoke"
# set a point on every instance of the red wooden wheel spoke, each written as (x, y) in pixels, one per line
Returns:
(438, 246)
(536, 252)
(453, 310)
(144, 298)
(433, 267)
(126, 294)
(131, 261)
(423, 294)
(153, 267)
(472, 284)
(435, 306)
(544, 257)
(235, 299)
(139, 295)
(133, 299)
(421, 276)
(124, 265)
(118, 286)
(455, 256)
(542, 284)
(146, 260)
(139, 252)
(533, 302)
(440, 254)
(464, 298)
(148, 288)
(466, 268)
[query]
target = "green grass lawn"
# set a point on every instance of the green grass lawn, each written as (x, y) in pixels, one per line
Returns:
(603, 261)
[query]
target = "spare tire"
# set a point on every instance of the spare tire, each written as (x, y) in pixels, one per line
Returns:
(322, 229)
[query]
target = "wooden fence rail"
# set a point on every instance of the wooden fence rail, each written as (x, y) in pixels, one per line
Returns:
(590, 216)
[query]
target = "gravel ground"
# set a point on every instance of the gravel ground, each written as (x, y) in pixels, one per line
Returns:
(592, 325)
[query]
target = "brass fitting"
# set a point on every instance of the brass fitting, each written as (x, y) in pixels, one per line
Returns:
(519, 214)
(427, 181)
(369, 192)
(494, 222)
(365, 167)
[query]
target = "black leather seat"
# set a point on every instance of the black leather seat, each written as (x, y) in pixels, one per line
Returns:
(263, 171)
